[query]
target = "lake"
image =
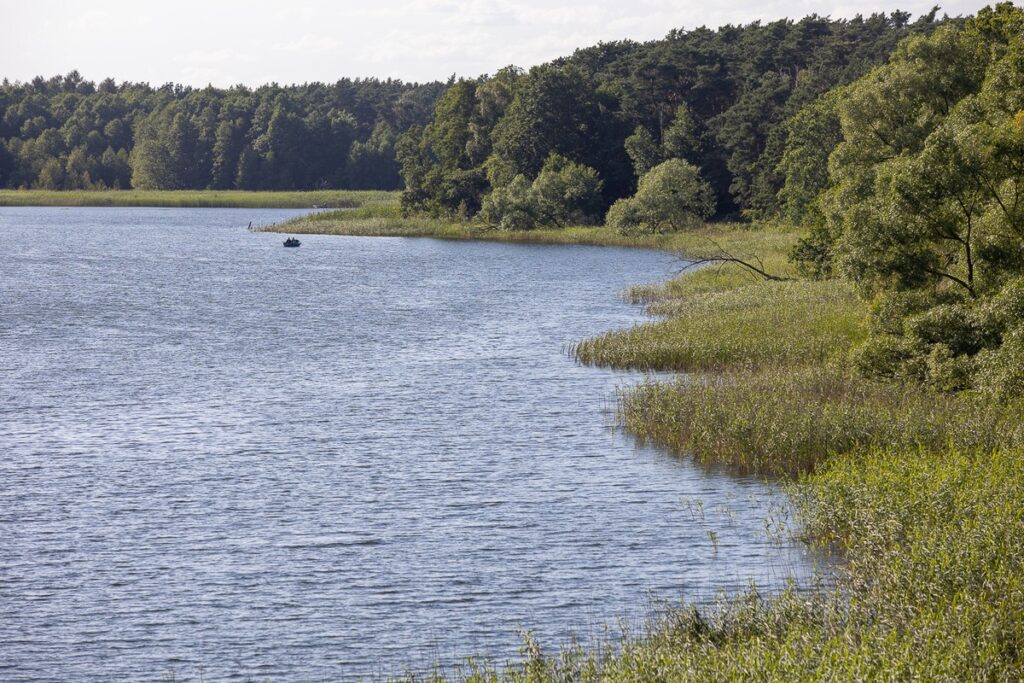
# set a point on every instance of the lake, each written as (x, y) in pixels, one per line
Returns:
(225, 458)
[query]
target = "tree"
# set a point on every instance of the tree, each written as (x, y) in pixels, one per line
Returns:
(681, 140)
(555, 110)
(643, 151)
(924, 208)
(811, 134)
(670, 197)
(372, 164)
(563, 193)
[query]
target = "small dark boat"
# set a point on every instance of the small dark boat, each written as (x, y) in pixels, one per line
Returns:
(292, 242)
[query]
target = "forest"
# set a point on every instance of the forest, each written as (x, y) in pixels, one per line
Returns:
(719, 99)
(67, 133)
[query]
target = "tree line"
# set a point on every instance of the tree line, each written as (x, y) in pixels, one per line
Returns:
(69, 133)
(921, 203)
(715, 101)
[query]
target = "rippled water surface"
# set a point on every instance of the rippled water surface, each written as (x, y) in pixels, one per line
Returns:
(226, 458)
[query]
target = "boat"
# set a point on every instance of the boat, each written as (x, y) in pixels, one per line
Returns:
(292, 242)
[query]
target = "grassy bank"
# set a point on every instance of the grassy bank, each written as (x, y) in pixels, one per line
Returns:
(197, 198)
(385, 219)
(932, 590)
(922, 493)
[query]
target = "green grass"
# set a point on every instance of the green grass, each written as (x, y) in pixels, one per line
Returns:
(196, 198)
(746, 327)
(385, 219)
(931, 589)
(788, 421)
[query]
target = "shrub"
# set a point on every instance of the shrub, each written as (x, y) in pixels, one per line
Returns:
(1001, 371)
(563, 193)
(670, 197)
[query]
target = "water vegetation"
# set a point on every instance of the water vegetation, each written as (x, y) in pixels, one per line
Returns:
(198, 198)
(878, 372)
(918, 490)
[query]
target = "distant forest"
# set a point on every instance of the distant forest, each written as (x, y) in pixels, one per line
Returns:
(69, 133)
(723, 100)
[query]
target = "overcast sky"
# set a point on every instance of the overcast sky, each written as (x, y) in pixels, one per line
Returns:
(253, 41)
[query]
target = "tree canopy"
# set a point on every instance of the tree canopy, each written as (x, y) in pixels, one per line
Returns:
(922, 204)
(69, 133)
(718, 99)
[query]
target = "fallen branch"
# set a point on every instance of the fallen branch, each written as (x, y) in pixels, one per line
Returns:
(753, 264)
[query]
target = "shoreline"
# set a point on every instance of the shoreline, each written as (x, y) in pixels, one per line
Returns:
(917, 490)
(317, 199)
(771, 391)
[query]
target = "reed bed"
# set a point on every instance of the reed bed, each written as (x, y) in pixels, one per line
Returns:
(385, 219)
(745, 327)
(786, 421)
(931, 589)
(197, 198)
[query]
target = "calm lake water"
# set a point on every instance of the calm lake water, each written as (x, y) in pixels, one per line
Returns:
(226, 458)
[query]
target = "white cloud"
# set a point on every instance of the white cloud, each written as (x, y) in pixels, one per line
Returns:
(226, 41)
(310, 42)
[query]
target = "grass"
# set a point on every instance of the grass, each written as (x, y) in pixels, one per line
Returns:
(385, 219)
(932, 589)
(789, 421)
(746, 327)
(922, 493)
(197, 198)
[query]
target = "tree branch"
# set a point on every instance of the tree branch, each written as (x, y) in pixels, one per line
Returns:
(753, 264)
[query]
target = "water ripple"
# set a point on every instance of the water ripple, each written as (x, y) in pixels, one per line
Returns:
(228, 459)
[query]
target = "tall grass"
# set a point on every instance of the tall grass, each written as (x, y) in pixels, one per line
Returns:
(931, 589)
(385, 218)
(745, 327)
(788, 421)
(196, 198)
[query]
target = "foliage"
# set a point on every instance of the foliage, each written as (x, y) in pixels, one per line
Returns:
(68, 133)
(563, 193)
(671, 196)
(923, 196)
(811, 134)
(717, 99)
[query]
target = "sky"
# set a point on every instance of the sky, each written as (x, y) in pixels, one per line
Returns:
(226, 42)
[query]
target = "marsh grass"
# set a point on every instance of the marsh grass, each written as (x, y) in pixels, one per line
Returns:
(197, 198)
(385, 218)
(747, 326)
(786, 421)
(931, 589)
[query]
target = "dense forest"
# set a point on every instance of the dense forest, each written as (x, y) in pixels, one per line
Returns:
(69, 133)
(718, 99)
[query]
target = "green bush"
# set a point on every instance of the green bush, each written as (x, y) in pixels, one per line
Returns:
(1001, 370)
(889, 356)
(563, 193)
(670, 197)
